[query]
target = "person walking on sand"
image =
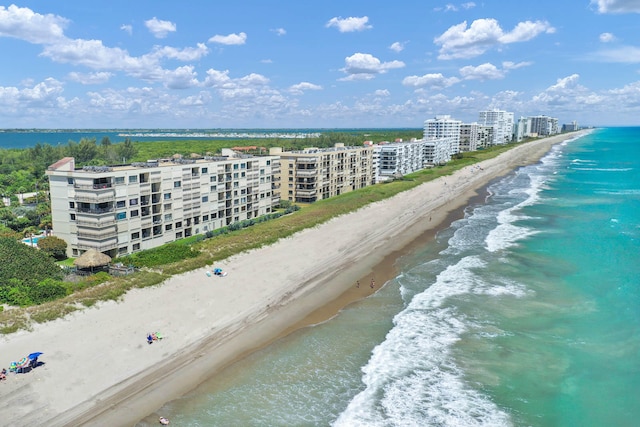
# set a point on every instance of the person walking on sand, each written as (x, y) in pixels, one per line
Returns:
(358, 284)
(373, 284)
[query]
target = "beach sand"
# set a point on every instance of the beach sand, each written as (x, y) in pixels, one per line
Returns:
(99, 370)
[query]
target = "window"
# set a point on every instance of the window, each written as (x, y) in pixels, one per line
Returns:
(168, 217)
(167, 196)
(167, 206)
(235, 175)
(119, 180)
(134, 213)
(70, 181)
(261, 171)
(72, 217)
(242, 174)
(120, 204)
(135, 236)
(123, 250)
(179, 224)
(205, 170)
(168, 227)
(243, 166)
(121, 215)
(268, 162)
(72, 205)
(177, 184)
(205, 199)
(136, 247)
(133, 202)
(133, 179)
(205, 218)
(212, 178)
(214, 215)
(235, 166)
(213, 188)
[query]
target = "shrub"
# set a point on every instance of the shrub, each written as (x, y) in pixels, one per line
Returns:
(54, 247)
(47, 290)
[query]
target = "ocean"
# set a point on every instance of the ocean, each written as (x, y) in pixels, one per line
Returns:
(525, 312)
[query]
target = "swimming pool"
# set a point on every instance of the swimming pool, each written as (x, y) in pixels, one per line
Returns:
(34, 239)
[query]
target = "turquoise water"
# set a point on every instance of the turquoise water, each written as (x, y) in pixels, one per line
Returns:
(33, 239)
(526, 312)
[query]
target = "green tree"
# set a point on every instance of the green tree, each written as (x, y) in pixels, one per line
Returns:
(126, 151)
(54, 246)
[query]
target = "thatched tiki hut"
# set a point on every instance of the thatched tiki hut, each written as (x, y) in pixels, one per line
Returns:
(92, 260)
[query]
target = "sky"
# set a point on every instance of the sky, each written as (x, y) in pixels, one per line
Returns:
(272, 64)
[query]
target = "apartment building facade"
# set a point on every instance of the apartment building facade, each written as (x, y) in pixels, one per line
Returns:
(119, 210)
(440, 130)
(313, 174)
(543, 125)
(501, 122)
(398, 159)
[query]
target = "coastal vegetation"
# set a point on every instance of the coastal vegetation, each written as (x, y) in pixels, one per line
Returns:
(157, 265)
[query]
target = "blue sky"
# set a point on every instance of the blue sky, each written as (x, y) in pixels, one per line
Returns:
(315, 64)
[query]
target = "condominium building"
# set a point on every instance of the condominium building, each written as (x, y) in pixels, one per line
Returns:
(522, 128)
(122, 209)
(544, 125)
(447, 130)
(501, 122)
(474, 136)
(398, 158)
(314, 174)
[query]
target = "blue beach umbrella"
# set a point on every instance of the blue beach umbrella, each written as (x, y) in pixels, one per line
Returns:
(34, 355)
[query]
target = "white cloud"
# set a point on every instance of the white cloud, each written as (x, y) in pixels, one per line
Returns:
(127, 28)
(607, 37)
(298, 89)
(90, 78)
(622, 54)
(460, 41)
(186, 54)
(350, 24)
(42, 95)
(364, 66)
(482, 72)
(617, 6)
(280, 31)
(382, 92)
(397, 47)
(434, 80)
(22, 23)
(453, 8)
(159, 28)
(231, 39)
(508, 65)
(181, 78)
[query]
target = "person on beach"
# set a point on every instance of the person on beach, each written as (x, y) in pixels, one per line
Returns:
(3, 374)
(373, 284)
(358, 284)
(149, 338)
(164, 421)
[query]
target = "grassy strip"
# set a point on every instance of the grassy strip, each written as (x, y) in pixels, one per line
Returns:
(226, 245)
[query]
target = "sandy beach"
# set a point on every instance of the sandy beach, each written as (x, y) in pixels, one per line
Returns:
(99, 370)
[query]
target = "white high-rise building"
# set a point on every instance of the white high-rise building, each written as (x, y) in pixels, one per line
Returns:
(444, 134)
(544, 125)
(522, 128)
(501, 122)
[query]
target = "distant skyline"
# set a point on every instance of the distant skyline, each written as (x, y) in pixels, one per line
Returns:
(323, 64)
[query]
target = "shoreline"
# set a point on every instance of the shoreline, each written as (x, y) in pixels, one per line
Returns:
(99, 356)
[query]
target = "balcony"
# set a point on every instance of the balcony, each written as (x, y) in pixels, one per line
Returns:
(97, 236)
(102, 247)
(307, 172)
